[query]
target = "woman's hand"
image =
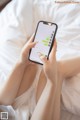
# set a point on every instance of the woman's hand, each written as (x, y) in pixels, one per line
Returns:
(50, 65)
(25, 51)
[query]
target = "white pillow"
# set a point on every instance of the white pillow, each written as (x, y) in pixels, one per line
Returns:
(15, 28)
(65, 15)
(16, 22)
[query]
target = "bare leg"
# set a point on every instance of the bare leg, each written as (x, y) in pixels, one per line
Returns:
(41, 85)
(28, 79)
(70, 65)
(67, 68)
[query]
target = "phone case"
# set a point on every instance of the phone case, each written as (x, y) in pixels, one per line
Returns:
(51, 44)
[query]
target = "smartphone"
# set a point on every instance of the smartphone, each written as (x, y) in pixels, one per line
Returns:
(45, 36)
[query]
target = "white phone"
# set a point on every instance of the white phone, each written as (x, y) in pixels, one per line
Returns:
(44, 35)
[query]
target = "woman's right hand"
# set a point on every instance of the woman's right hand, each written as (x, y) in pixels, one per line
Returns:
(50, 65)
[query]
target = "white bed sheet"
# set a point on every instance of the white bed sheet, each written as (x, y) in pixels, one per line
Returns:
(15, 34)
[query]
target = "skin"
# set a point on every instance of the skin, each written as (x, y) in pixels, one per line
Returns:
(50, 82)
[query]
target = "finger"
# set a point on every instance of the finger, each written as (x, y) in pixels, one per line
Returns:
(32, 38)
(32, 63)
(27, 47)
(53, 51)
(43, 58)
(31, 45)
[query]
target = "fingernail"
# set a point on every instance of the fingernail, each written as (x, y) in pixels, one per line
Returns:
(36, 41)
(39, 53)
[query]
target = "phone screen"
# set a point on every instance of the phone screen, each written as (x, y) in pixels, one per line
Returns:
(44, 35)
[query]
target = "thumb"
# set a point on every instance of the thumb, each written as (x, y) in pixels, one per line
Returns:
(27, 47)
(31, 45)
(43, 58)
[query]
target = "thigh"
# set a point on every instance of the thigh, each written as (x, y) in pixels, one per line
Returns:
(28, 79)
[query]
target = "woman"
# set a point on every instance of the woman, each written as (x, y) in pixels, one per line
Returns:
(45, 104)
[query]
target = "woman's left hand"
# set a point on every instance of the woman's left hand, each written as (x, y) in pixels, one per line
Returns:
(25, 52)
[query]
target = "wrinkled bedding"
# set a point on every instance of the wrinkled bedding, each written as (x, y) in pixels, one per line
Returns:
(17, 23)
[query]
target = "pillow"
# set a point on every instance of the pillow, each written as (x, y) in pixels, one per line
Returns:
(66, 16)
(15, 28)
(14, 20)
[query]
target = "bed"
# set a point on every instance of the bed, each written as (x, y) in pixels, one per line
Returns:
(18, 21)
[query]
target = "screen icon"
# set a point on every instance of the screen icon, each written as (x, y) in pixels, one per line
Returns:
(46, 41)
